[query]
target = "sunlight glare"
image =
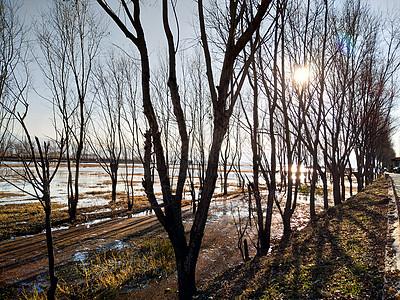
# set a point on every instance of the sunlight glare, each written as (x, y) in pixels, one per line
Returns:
(301, 76)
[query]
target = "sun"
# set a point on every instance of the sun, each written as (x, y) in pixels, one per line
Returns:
(301, 76)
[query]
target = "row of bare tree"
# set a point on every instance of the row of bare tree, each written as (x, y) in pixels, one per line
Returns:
(336, 121)
(207, 106)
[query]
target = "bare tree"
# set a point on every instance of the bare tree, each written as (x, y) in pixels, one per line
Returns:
(377, 91)
(38, 174)
(106, 139)
(186, 253)
(131, 137)
(13, 70)
(69, 38)
(343, 101)
(307, 48)
(198, 104)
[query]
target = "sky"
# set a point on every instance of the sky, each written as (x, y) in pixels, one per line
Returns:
(40, 112)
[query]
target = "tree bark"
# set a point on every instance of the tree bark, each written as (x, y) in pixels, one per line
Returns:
(50, 249)
(337, 197)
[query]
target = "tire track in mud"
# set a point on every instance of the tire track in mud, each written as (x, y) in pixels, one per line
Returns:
(24, 258)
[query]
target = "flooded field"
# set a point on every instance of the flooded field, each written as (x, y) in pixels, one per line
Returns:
(76, 245)
(94, 185)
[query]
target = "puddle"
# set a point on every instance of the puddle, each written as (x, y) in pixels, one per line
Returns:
(144, 213)
(98, 211)
(59, 228)
(88, 224)
(118, 245)
(79, 256)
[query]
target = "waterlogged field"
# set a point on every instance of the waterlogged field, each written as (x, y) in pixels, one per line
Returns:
(129, 253)
(94, 184)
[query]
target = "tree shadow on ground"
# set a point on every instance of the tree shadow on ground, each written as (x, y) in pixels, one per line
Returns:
(338, 255)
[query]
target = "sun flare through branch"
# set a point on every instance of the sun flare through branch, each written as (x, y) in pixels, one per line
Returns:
(302, 76)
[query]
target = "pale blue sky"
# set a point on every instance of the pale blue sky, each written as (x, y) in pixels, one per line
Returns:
(39, 118)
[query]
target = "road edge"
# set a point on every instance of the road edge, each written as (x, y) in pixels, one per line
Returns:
(392, 247)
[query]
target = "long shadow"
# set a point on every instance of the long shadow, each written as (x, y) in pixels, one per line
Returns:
(326, 250)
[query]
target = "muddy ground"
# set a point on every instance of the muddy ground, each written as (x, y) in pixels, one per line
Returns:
(23, 260)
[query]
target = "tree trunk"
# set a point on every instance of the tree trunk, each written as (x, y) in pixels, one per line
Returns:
(266, 240)
(50, 249)
(186, 278)
(286, 226)
(192, 191)
(349, 178)
(337, 198)
(325, 188)
(185, 263)
(249, 204)
(70, 188)
(78, 160)
(72, 211)
(225, 180)
(314, 179)
(360, 170)
(72, 214)
(114, 181)
(342, 184)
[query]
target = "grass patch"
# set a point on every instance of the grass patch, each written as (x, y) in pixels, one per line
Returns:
(305, 189)
(340, 255)
(103, 274)
(7, 194)
(29, 218)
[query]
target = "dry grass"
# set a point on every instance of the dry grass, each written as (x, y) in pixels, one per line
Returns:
(105, 273)
(6, 194)
(23, 219)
